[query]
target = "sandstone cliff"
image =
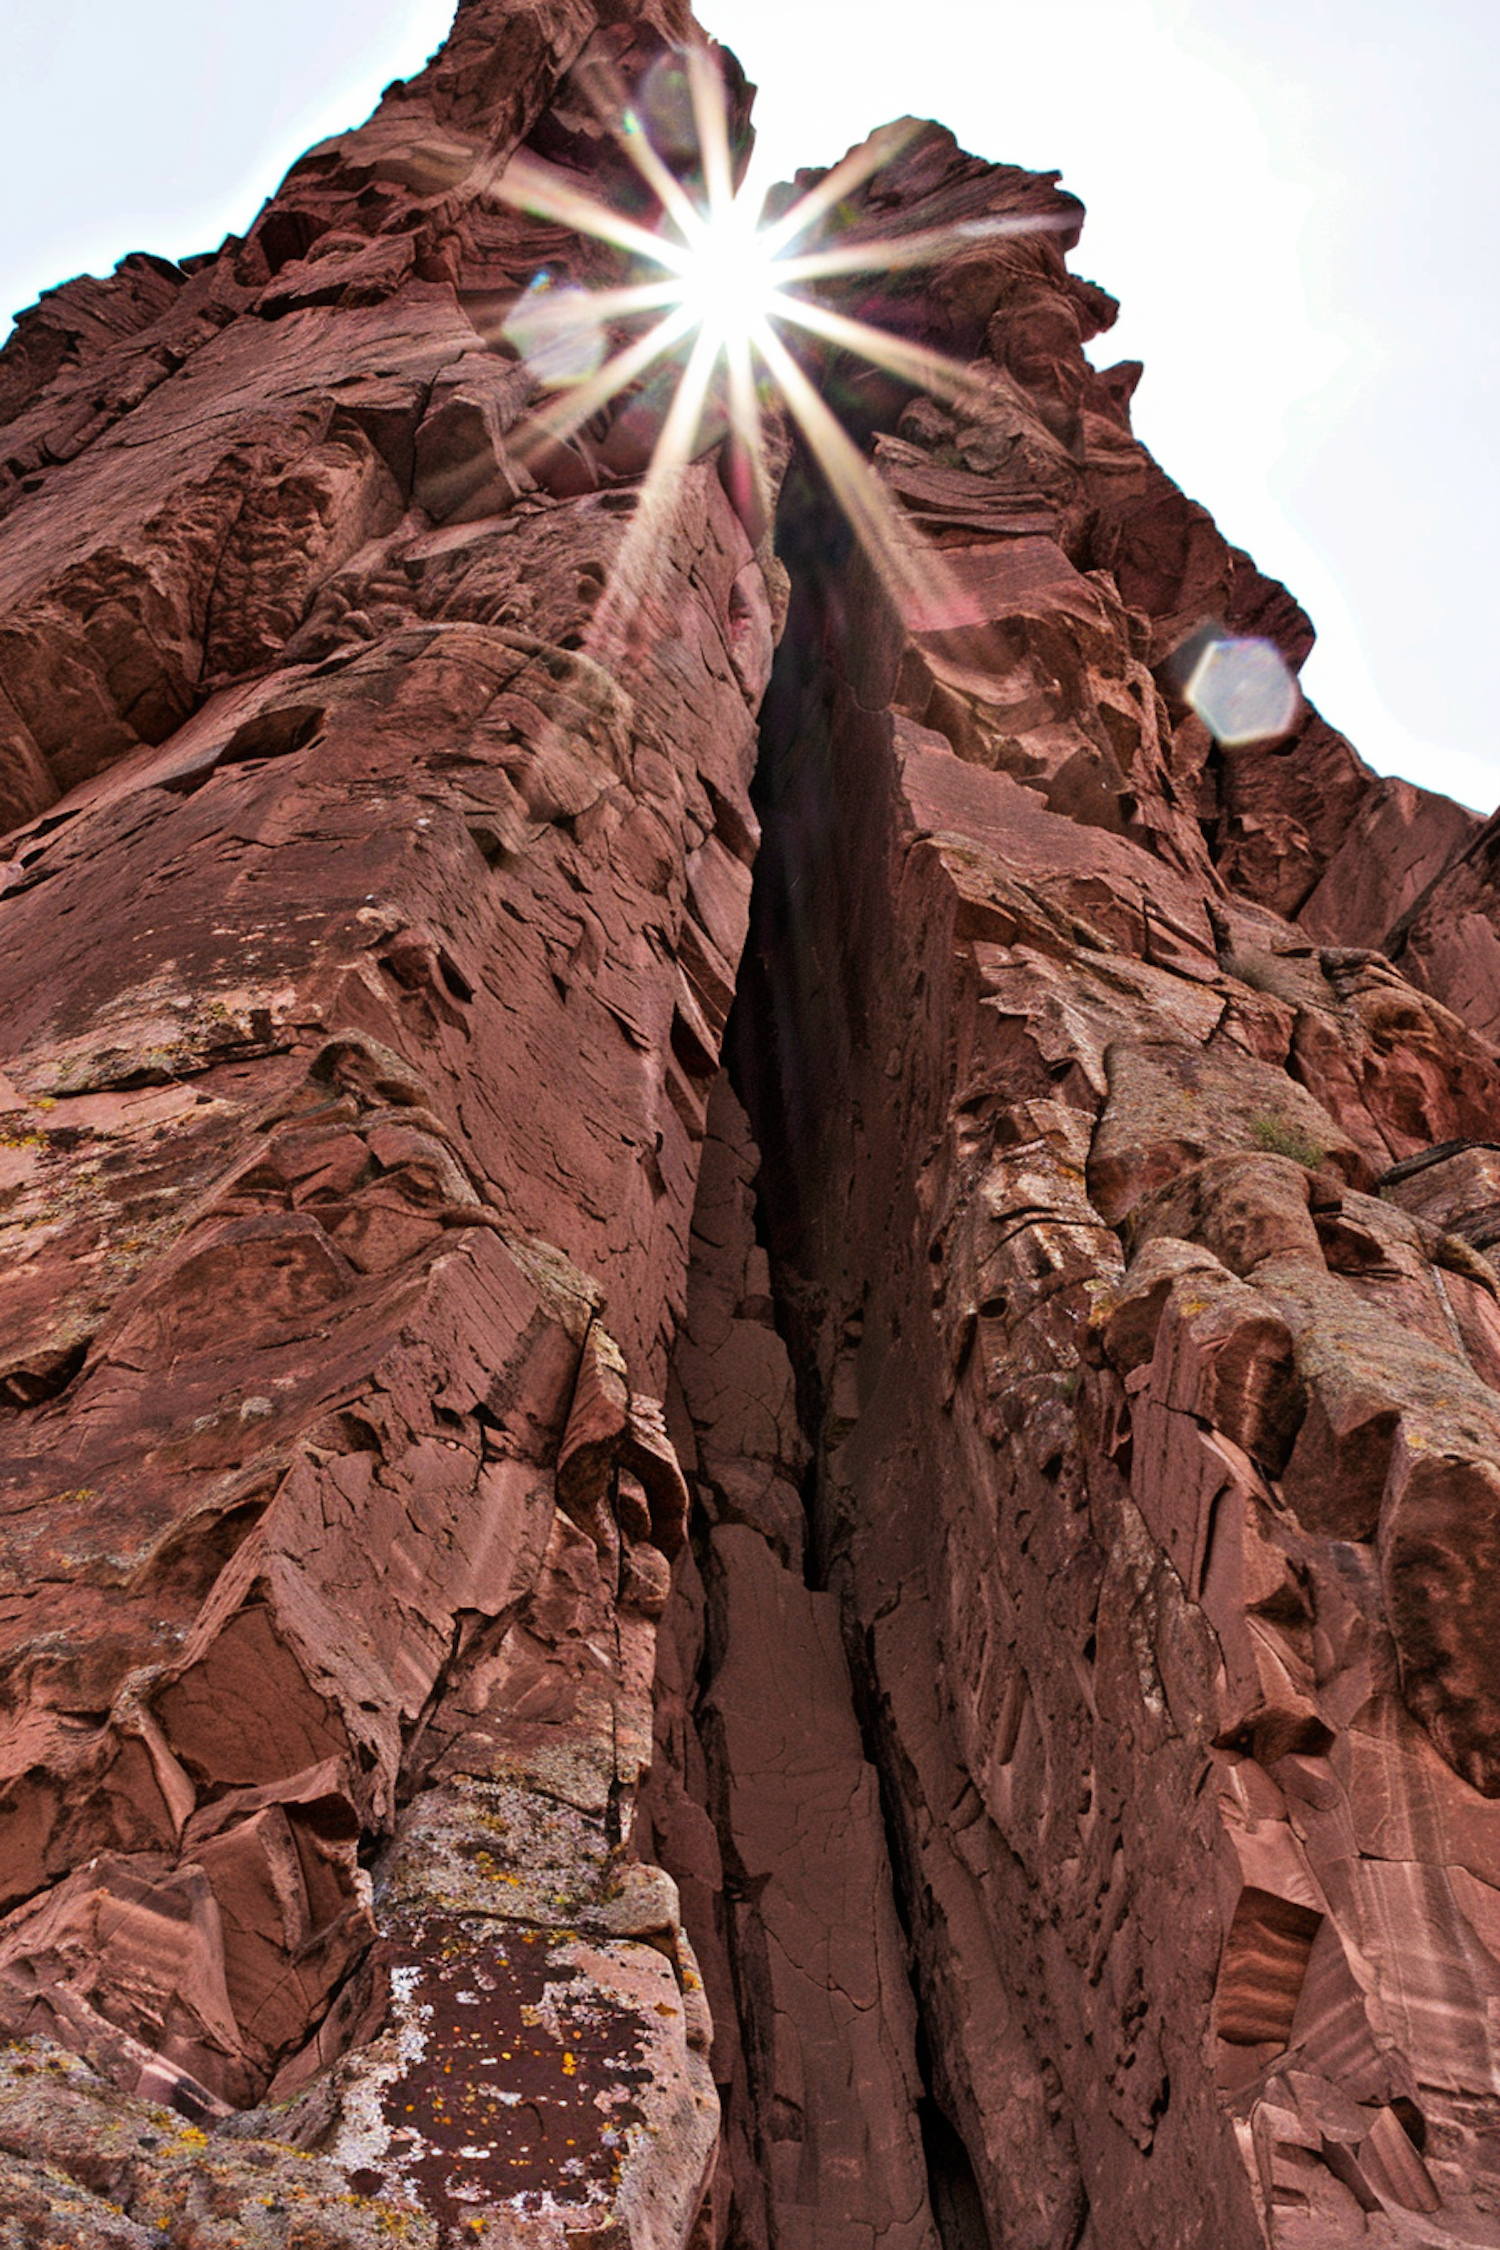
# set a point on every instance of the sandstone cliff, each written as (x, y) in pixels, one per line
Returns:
(751, 1391)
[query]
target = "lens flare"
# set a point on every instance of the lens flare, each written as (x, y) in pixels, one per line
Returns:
(725, 292)
(1243, 691)
(558, 332)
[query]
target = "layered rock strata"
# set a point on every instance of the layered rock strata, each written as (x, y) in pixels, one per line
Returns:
(528, 1718)
(1131, 1245)
(368, 947)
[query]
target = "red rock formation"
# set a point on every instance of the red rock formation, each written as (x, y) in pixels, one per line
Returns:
(527, 1719)
(368, 951)
(1448, 942)
(1154, 1398)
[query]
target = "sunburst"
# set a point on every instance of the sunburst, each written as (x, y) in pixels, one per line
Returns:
(727, 289)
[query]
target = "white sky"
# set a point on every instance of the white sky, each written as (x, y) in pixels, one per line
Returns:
(1293, 200)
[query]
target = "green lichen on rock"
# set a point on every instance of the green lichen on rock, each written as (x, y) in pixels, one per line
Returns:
(1282, 1136)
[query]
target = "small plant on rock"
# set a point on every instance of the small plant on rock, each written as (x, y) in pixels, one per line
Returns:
(1282, 1137)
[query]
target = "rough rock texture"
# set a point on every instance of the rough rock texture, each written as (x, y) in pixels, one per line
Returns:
(1448, 941)
(368, 946)
(762, 1800)
(1129, 1246)
(547, 1699)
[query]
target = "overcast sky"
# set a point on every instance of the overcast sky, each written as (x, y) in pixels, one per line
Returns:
(1293, 200)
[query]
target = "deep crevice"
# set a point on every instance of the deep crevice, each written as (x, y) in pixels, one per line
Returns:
(957, 2207)
(763, 1047)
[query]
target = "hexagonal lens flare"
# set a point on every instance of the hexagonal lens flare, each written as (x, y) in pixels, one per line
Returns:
(1243, 691)
(558, 332)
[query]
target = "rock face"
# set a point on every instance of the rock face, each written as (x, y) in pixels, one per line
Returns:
(884, 1636)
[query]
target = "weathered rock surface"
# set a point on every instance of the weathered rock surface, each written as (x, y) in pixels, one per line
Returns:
(548, 1701)
(762, 1800)
(368, 949)
(1400, 841)
(1448, 941)
(1128, 1243)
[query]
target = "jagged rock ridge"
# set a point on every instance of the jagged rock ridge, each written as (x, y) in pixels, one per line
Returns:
(546, 1699)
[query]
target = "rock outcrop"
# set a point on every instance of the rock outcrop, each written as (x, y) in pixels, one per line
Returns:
(868, 1620)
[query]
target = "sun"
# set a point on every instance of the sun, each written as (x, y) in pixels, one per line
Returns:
(729, 279)
(723, 290)
(726, 289)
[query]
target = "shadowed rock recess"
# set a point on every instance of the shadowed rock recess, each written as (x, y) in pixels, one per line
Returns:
(865, 1624)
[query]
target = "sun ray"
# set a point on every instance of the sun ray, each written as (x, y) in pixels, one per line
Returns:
(529, 185)
(599, 306)
(851, 172)
(625, 607)
(571, 409)
(748, 480)
(887, 253)
(674, 446)
(711, 118)
(912, 572)
(916, 363)
(659, 177)
(615, 110)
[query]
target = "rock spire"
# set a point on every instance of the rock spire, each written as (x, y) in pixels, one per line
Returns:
(749, 1392)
